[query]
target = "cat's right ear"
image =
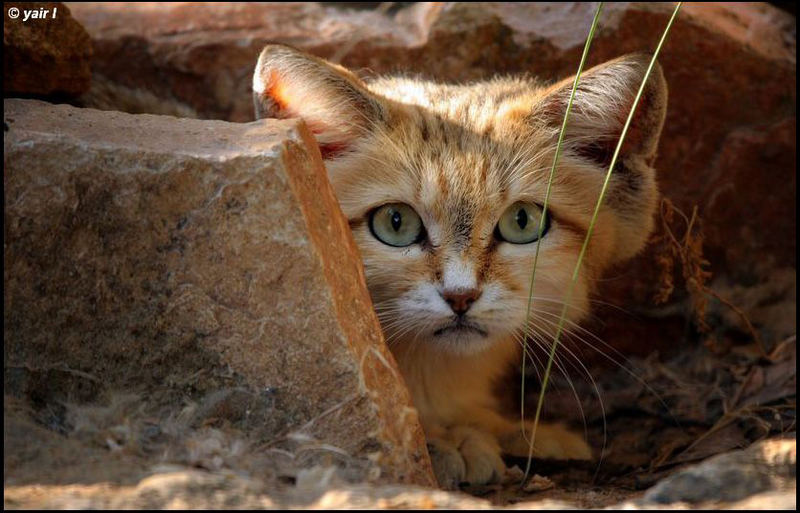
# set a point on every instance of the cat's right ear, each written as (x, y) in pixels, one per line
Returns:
(334, 103)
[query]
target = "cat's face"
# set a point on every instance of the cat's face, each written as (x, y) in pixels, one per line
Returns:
(443, 187)
(447, 221)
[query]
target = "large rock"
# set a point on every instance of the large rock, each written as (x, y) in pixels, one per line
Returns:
(728, 143)
(198, 261)
(200, 57)
(766, 466)
(44, 56)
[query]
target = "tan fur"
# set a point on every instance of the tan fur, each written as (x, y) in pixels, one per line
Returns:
(460, 155)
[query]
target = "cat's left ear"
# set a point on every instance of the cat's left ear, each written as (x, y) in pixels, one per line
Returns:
(601, 105)
(602, 102)
(333, 102)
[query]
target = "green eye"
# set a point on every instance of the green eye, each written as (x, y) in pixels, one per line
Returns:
(396, 224)
(519, 224)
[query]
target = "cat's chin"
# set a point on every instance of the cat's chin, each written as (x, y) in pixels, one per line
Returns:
(461, 329)
(461, 337)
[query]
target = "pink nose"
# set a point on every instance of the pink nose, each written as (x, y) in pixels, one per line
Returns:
(461, 300)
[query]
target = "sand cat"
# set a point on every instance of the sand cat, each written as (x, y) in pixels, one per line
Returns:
(443, 187)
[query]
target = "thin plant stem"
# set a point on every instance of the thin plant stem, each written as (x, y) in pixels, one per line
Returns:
(543, 218)
(575, 273)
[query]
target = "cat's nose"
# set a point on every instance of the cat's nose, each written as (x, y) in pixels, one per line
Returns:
(461, 300)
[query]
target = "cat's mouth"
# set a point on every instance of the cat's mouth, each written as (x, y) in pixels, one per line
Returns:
(460, 326)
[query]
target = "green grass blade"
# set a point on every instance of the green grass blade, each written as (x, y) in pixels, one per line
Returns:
(575, 273)
(586, 46)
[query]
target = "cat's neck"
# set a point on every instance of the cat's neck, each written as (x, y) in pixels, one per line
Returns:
(447, 386)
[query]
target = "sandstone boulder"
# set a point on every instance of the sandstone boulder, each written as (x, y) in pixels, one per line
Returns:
(728, 144)
(205, 267)
(47, 54)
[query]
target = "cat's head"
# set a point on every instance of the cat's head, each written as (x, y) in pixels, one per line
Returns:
(443, 187)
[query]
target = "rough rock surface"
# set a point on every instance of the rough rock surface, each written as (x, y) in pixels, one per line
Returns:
(48, 56)
(319, 488)
(187, 260)
(728, 144)
(767, 466)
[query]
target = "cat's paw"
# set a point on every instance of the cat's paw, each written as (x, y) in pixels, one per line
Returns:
(466, 456)
(448, 464)
(552, 441)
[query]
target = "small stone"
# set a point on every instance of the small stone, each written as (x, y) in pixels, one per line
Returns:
(538, 484)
